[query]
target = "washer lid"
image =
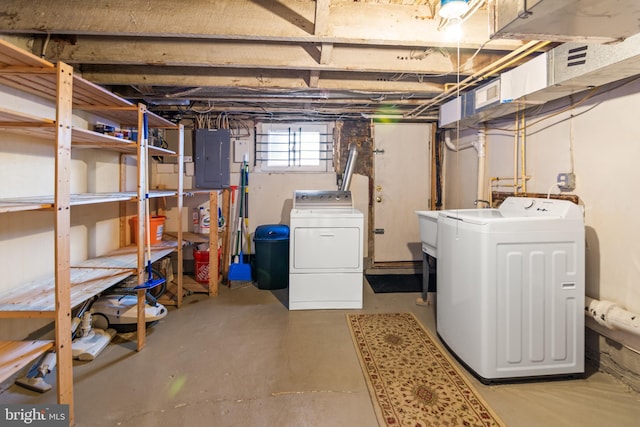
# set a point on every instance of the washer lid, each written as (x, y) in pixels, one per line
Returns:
(474, 216)
(519, 209)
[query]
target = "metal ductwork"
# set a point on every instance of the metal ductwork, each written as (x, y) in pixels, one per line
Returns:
(565, 70)
(600, 21)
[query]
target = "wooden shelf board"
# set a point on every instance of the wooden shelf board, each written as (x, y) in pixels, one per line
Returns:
(24, 71)
(14, 56)
(95, 198)
(46, 202)
(88, 278)
(15, 355)
(127, 257)
(40, 295)
(194, 191)
(80, 138)
(87, 138)
(159, 151)
(162, 193)
(16, 206)
(191, 285)
(14, 118)
(187, 236)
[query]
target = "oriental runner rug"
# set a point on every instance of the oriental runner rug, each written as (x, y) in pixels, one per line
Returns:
(412, 382)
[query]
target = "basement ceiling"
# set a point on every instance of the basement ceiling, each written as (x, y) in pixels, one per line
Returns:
(260, 58)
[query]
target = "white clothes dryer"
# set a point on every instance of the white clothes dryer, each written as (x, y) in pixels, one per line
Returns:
(326, 251)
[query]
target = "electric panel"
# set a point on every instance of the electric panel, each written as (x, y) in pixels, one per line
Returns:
(211, 151)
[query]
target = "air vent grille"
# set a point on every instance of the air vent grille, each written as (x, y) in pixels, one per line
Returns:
(577, 56)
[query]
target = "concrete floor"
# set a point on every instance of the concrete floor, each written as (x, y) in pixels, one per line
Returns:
(242, 359)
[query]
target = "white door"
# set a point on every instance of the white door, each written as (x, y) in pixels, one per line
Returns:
(402, 177)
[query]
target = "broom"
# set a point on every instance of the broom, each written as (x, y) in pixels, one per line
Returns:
(239, 271)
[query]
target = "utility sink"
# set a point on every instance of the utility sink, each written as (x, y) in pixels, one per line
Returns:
(428, 222)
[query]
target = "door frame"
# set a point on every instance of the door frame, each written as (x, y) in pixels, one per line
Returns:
(404, 265)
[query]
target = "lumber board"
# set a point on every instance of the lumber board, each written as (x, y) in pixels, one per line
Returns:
(39, 296)
(188, 236)
(14, 355)
(17, 204)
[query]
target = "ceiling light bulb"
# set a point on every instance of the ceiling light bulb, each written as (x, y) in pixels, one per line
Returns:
(451, 9)
(453, 30)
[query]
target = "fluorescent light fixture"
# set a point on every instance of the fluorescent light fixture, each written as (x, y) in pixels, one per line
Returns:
(453, 9)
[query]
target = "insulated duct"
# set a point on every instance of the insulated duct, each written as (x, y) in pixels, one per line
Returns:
(565, 70)
(600, 21)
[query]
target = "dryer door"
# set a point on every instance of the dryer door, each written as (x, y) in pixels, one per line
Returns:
(318, 249)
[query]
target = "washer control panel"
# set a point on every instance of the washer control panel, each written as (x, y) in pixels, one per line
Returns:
(530, 206)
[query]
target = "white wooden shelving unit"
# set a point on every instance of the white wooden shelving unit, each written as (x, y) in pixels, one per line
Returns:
(70, 285)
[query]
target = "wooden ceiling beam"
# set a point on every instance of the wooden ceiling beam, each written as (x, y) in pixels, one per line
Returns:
(299, 21)
(269, 79)
(260, 55)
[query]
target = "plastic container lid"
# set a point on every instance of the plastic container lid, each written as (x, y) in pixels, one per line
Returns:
(271, 232)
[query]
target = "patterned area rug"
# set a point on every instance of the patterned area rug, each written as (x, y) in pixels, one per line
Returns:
(411, 380)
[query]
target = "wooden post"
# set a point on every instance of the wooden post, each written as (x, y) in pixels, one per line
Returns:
(213, 244)
(62, 204)
(226, 236)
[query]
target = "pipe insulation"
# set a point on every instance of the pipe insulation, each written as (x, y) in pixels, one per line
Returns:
(612, 316)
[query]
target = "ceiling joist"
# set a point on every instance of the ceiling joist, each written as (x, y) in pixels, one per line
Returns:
(316, 54)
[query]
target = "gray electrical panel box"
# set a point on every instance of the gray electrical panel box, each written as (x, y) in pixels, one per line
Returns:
(211, 150)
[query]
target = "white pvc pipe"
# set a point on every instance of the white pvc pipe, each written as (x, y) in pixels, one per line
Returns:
(479, 145)
(450, 146)
(480, 148)
(612, 316)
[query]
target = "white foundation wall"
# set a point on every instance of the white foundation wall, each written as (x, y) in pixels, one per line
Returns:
(599, 140)
(270, 193)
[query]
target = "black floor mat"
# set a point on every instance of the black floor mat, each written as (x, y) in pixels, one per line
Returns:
(388, 283)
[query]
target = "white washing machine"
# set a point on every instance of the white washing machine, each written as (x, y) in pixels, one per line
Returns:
(510, 293)
(326, 245)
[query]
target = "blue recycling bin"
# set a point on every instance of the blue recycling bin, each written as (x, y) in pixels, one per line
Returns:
(272, 256)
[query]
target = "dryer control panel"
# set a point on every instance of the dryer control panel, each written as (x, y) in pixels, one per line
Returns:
(330, 199)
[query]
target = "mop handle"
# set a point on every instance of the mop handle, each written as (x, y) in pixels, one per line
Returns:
(147, 225)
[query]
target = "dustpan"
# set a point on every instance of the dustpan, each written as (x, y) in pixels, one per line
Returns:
(240, 271)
